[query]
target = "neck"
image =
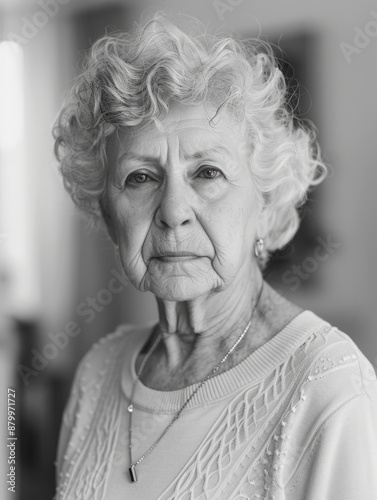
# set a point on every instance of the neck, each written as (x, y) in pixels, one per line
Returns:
(207, 327)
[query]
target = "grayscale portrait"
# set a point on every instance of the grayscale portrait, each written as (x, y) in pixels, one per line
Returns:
(198, 323)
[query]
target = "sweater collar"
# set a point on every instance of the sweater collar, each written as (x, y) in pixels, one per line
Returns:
(250, 371)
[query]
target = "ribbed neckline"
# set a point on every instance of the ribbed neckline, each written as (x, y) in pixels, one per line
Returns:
(252, 369)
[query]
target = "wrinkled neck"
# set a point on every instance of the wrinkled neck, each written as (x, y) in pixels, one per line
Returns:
(208, 326)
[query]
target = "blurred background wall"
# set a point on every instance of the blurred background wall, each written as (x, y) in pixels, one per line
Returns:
(56, 275)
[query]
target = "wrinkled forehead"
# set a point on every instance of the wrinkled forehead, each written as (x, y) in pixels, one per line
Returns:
(194, 126)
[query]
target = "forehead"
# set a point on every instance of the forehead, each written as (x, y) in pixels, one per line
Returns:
(192, 126)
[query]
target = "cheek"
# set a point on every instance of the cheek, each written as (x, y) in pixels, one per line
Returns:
(131, 223)
(231, 226)
(233, 218)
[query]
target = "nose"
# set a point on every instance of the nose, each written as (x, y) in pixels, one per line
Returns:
(175, 209)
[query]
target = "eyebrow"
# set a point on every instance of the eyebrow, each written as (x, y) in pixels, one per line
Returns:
(134, 156)
(201, 155)
(198, 155)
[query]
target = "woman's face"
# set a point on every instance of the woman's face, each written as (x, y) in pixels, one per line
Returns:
(181, 203)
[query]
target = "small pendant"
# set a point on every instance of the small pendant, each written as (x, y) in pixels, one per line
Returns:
(130, 408)
(133, 473)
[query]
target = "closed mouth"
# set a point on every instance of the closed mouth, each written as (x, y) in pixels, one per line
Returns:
(172, 257)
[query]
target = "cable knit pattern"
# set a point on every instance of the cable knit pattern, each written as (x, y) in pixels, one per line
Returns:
(93, 430)
(256, 431)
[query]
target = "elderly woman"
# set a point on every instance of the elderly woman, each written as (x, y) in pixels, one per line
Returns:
(184, 145)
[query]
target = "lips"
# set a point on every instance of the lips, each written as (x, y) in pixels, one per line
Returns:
(176, 256)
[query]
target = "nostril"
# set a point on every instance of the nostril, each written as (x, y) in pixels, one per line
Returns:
(171, 217)
(166, 224)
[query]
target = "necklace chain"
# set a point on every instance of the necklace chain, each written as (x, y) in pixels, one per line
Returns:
(132, 468)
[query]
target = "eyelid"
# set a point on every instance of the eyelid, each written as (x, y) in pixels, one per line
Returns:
(140, 172)
(210, 167)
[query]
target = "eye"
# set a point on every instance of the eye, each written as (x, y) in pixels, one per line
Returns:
(210, 173)
(138, 178)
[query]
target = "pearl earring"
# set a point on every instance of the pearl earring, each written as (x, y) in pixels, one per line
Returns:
(258, 248)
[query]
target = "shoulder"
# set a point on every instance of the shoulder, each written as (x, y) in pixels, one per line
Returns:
(331, 423)
(330, 383)
(333, 370)
(100, 364)
(106, 356)
(112, 347)
(93, 385)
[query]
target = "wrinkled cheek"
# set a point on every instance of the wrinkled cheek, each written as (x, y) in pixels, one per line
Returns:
(226, 259)
(243, 228)
(232, 246)
(131, 238)
(129, 223)
(133, 266)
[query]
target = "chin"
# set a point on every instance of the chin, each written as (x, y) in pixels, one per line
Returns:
(180, 281)
(179, 288)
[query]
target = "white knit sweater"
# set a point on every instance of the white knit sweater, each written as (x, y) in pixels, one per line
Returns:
(295, 420)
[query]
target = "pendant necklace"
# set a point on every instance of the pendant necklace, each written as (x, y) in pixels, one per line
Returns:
(132, 468)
